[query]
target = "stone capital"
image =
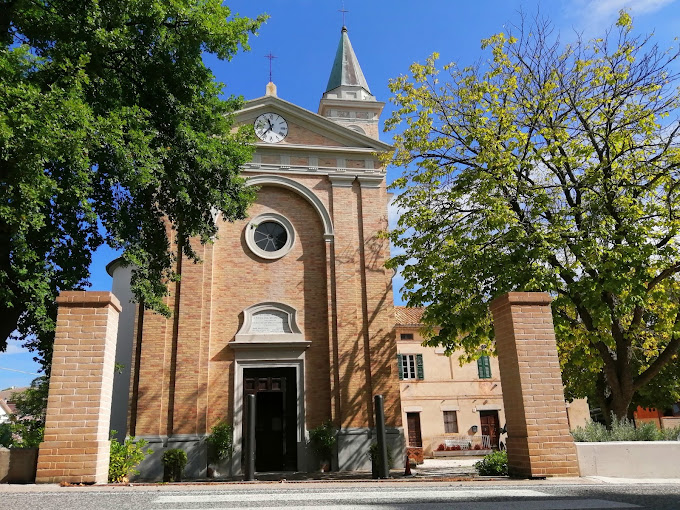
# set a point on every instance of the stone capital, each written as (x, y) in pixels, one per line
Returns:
(90, 299)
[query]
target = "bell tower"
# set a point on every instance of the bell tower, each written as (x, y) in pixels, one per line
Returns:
(348, 100)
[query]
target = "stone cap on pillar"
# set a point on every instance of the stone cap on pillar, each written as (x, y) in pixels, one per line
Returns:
(520, 298)
(87, 298)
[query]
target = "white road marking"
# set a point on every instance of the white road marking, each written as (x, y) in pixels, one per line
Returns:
(401, 495)
(562, 504)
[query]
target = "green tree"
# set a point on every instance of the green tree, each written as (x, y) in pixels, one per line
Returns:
(551, 168)
(27, 424)
(111, 128)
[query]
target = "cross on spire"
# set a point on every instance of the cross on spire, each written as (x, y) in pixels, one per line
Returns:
(271, 57)
(343, 11)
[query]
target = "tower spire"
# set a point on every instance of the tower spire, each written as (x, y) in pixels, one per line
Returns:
(348, 100)
(346, 70)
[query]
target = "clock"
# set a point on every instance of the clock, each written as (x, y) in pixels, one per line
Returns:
(271, 127)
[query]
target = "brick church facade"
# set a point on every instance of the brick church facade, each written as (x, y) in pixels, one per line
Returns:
(293, 303)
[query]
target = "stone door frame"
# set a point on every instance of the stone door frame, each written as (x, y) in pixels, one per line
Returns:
(269, 359)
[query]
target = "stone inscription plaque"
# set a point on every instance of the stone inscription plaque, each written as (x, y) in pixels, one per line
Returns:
(270, 321)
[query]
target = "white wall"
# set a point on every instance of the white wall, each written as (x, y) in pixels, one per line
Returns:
(630, 459)
(126, 324)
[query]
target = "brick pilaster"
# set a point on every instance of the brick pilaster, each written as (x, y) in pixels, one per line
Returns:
(190, 388)
(539, 442)
(354, 393)
(76, 443)
(152, 405)
(377, 295)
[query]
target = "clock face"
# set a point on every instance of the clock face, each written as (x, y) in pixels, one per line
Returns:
(271, 127)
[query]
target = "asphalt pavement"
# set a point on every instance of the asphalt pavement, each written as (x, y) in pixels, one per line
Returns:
(563, 494)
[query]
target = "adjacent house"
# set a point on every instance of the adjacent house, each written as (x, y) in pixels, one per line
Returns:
(446, 407)
(442, 402)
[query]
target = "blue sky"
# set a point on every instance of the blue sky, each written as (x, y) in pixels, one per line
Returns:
(387, 37)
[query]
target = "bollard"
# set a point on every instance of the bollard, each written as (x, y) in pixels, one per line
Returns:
(384, 471)
(249, 471)
(407, 467)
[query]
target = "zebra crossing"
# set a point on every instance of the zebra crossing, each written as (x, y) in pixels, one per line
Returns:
(354, 498)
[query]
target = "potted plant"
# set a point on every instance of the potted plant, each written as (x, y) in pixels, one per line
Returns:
(220, 446)
(174, 461)
(322, 440)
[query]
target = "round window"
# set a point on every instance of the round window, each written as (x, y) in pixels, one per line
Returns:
(270, 236)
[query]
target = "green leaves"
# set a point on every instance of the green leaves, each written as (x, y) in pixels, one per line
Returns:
(547, 169)
(111, 130)
(125, 457)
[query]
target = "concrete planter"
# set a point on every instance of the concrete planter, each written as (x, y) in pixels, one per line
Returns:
(630, 459)
(18, 465)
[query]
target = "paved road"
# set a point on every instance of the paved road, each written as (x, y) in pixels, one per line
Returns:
(354, 496)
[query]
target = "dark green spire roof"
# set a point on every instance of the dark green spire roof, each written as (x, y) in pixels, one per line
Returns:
(346, 69)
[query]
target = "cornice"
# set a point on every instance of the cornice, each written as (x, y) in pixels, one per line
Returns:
(311, 170)
(331, 149)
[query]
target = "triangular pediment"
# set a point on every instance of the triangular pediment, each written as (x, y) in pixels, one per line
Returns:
(306, 128)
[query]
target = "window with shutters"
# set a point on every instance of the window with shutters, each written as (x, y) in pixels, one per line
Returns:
(408, 363)
(484, 367)
(450, 422)
(410, 366)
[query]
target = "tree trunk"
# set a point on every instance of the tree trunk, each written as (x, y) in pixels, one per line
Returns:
(613, 401)
(620, 405)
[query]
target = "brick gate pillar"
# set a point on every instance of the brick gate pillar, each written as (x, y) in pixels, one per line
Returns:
(76, 444)
(539, 442)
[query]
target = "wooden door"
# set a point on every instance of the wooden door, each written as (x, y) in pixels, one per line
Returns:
(413, 423)
(490, 426)
(275, 417)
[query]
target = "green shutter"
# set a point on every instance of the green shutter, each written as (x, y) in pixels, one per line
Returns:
(419, 366)
(484, 367)
(401, 367)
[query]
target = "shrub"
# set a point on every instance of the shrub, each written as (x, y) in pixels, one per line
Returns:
(322, 440)
(494, 464)
(374, 455)
(220, 441)
(623, 430)
(672, 434)
(174, 461)
(125, 457)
